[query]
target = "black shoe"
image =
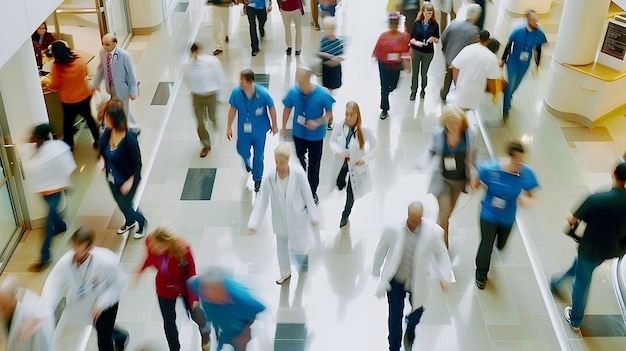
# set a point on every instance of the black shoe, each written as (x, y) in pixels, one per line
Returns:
(257, 186)
(480, 284)
(316, 199)
(412, 96)
(255, 52)
(343, 222)
(60, 230)
(288, 51)
(121, 338)
(422, 94)
(248, 169)
(409, 338)
(226, 39)
(298, 52)
(384, 114)
(38, 267)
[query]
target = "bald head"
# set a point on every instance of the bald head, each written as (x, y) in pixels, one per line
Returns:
(303, 79)
(415, 212)
(109, 42)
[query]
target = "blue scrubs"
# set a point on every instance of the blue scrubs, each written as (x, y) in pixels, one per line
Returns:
(253, 122)
(307, 107)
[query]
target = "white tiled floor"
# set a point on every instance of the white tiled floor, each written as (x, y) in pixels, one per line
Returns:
(335, 299)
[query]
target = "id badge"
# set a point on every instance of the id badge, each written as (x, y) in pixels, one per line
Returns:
(393, 57)
(247, 127)
(258, 111)
(301, 120)
(524, 56)
(110, 178)
(449, 163)
(498, 203)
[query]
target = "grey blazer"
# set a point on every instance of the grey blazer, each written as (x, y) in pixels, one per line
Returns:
(123, 70)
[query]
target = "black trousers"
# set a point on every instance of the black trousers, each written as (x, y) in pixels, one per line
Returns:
(314, 149)
(481, 20)
(447, 83)
(125, 203)
(388, 82)
(104, 328)
(489, 233)
(395, 299)
(341, 182)
(70, 111)
(254, 14)
(168, 312)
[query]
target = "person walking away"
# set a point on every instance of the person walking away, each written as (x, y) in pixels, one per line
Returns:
(331, 49)
(220, 14)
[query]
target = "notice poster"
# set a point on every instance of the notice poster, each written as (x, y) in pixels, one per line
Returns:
(615, 40)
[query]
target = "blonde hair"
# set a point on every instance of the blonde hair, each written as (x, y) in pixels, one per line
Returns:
(427, 6)
(282, 151)
(352, 106)
(449, 112)
(165, 234)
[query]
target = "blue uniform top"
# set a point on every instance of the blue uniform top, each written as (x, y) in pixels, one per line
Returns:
(253, 110)
(503, 188)
(311, 106)
(258, 4)
(524, 43)
(229, 319)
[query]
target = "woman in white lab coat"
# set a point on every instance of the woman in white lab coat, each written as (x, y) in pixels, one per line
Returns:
(293, 211)
(353, 147)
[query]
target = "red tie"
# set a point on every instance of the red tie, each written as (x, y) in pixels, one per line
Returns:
(109, 56)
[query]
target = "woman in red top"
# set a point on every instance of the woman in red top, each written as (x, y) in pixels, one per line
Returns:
(391, 51)
(67, 76)
(171, 255)
(41, 40)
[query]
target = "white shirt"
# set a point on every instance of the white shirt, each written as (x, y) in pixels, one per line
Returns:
(205, 75)
(50, 167)
(476, 64)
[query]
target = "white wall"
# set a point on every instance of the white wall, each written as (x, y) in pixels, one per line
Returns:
(18, 20)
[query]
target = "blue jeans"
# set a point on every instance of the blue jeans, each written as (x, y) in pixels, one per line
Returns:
(581, 270)
(54, 223)
(515, 75)
(395, 298)
(256, 141)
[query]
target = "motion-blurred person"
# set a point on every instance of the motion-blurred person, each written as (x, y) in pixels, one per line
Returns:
(391, 51)
(483, 5)
(313, 111)
(453, 146)
(315, 14)
(228, 306)
(256, 115)
(205, 76)
(410, 10)
(604, 238)
(171, 255)
(220, 15)
(292, 11)
(41, 40)
(120, 159)
(472, 69)
(424, 35)
(48, 173)
(504, 181)
(67, 76)
(447, 7)
(407, 251)
(92, 281)
(354, 148)
(331, 49)
(293, 212)
(117, 69)
(328, 7)
(458, 35)
(256, 10)
(18, 307)
(523, 42)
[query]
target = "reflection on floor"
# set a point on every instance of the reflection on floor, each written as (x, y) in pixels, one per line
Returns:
(332, 305)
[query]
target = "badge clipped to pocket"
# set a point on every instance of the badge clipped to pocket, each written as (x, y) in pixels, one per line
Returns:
(110, 178)
(393, 57)
(498, 203)
(524, 56)
(301, 120)
(247, 127)
(449, 163)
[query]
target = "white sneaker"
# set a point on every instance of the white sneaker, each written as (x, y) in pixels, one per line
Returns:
(140, 233)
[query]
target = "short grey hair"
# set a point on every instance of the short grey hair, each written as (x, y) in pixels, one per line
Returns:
(473, 11)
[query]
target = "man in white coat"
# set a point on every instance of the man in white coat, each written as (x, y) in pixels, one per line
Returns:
(407, 250)
(293, 211)
(19, 306)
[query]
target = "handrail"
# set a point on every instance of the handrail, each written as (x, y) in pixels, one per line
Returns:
(619, 285)
(77, 11)
(526, 225)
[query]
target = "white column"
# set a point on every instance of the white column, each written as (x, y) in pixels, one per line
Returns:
(25, 107)
(580, 31)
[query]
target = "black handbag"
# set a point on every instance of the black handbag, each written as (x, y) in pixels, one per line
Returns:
(571, 232)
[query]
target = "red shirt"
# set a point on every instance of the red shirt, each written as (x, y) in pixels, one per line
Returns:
(289, 5)
(170, 278)
(392, 47)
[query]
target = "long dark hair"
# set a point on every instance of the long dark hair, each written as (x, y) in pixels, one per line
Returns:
(62, 54)
(36, 36)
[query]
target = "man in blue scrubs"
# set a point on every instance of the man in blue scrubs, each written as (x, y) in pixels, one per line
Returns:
(251, 102)
(518, 52)
(313, 110)
(504, 179)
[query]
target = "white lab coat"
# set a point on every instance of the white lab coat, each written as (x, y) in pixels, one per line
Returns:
(292, 213)
(429, 245)
(360, 176)
(50, 167)
(27, 309)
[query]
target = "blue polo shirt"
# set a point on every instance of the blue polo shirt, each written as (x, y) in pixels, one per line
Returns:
(503, 188)
(524, 43)
(258, 4)
(311, 106)
(253, 110)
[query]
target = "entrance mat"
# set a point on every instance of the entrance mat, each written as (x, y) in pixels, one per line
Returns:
(262, 79)
(290, 337)
(199, 184)
(603, 326)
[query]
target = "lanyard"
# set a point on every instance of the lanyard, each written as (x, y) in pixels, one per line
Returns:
(83, 276)
(528, 42)
(248, 103)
